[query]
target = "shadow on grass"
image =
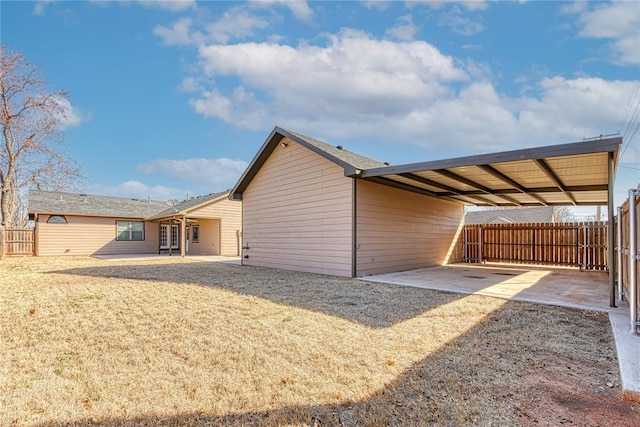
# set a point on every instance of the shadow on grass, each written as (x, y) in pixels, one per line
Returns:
(372, 304)
(518, 366)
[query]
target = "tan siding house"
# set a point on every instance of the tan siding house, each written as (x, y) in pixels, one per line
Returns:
(81, 224)
(305, 209)
(89, 235)
(314, 233)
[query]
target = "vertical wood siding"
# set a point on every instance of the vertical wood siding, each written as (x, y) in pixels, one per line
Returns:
(208, 239)
(84, 235)
(297, 214)
(399, 230)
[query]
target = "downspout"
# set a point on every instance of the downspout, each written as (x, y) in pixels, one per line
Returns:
(619, 253)
(633, 260)
(611, 235)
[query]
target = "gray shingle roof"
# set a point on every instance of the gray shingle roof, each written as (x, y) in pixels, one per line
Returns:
(55, 202)
(354, 159)
(510, 216)
(185, 205)
(60, 203)
(352, 162)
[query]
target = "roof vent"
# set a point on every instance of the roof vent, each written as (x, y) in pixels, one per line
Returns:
(339, 147)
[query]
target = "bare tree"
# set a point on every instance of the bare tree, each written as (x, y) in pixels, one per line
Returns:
(563, 214)
(31, 118)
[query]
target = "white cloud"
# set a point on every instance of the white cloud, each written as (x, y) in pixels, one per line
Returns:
(439, 4)
(202, 174)
(618, 22)
(460, 24)
(353, 74)
(139, 190)
(71, 116)
(405, 29)
(40, 6)
(179, 33)
(236, 23)
(171, 5)
(299, 8)
(376, 4)
(356, 86)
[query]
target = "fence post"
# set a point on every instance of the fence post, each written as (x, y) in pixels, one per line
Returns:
(2, 242)
(619, 254)
(633, 254)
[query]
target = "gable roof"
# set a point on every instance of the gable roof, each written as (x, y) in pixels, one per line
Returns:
(352, 162)
(60, 203)
(510, 216)
(188, 205)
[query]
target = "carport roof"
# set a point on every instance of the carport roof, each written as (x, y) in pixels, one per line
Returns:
(578, 173)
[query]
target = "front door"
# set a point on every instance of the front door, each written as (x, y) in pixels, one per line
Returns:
(164, 237)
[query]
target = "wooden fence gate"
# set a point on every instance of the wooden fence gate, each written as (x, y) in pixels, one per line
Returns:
(581, 245)
(17, 241)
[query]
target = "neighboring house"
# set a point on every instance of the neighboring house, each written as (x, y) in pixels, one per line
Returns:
(310, 206)
(544, 214)
(81, 224)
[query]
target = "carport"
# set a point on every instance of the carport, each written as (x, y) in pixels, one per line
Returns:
(575, 174)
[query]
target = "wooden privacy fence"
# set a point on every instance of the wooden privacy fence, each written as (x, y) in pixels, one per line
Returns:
(581, 245)
(17, 241)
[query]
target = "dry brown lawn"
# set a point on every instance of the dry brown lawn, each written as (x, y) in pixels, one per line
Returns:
(181, 342)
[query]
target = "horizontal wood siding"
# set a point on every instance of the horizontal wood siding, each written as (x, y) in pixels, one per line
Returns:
(398, 230)
(297, 214)
(84, 235)
(229, 212)
(208, 239)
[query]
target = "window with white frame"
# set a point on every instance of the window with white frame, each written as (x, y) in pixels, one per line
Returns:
(195, 233)
(130, 230)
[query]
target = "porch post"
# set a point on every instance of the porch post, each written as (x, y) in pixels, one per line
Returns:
(183, 238)
(611, 235)
(170, 236)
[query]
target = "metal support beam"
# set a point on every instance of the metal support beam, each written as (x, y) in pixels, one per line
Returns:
(544, 166)
(441, 186)
(402, 186)
(497, 174)
(633, 262)
(475, 185)
(611, 233)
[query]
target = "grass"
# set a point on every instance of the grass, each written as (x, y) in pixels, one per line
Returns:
(176, 341)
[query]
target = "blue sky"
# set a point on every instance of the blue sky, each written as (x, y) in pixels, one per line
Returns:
(173, 99)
